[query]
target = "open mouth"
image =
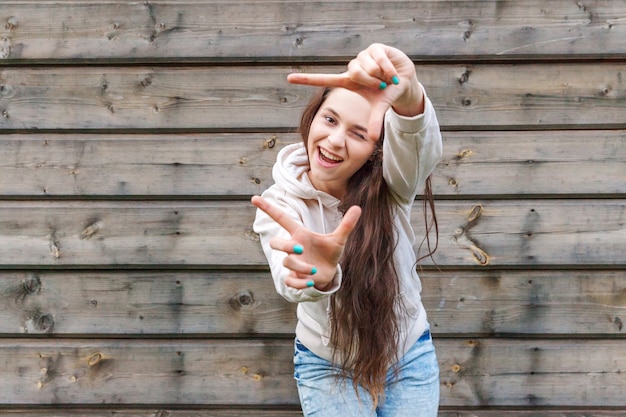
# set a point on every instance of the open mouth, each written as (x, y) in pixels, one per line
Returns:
(328, 157)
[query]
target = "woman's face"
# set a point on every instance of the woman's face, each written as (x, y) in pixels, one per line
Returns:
(338, 143)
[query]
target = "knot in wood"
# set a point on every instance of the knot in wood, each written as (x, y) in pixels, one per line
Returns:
(475, 213)
(90, 230)
(464, 153)
(456, 368)
(11, 23)
(242, 300)
(271, 142)
(44, 323)
(95, 359)
(464, 77)
(31, 285)
(480, 256)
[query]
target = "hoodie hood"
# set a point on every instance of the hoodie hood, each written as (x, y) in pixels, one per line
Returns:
(291, 173)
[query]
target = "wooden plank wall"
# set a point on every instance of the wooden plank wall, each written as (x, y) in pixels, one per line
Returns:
(132, 135)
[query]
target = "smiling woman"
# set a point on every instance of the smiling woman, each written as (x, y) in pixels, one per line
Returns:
(367, 152)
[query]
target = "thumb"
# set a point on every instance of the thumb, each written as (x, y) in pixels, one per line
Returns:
(377, 118)
(348, 223)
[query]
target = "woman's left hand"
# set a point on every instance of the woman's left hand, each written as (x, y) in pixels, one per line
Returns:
(382, 74)
(320, 252)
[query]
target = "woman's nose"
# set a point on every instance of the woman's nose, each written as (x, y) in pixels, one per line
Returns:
(337, 138)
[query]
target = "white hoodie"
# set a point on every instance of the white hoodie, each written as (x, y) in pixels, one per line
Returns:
(411, 150)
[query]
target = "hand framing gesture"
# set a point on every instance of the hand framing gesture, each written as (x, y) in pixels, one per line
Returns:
(311, 257)
(383, 75)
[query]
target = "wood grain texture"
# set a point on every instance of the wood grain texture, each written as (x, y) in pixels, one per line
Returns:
(284, 412)
(240, 164)
(529, 233)
(474, 372)
(133, 133)
(467, 97)
(121, 166)
(289, 30)
(245, 304)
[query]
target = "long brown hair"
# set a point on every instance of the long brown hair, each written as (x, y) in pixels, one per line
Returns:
(365, 327)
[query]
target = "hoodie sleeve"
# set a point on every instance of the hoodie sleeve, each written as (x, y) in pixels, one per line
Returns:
(267, 229)
(412, 148)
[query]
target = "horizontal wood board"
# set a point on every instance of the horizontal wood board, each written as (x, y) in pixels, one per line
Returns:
(219, 165)
(70, 30)
(230, 411)
(476, 372)
(527, 233)
(467, 97)
(245, 304)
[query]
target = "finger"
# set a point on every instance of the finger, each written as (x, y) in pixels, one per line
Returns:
(298, 283)
(286, 245)
(319, 80)
(275, 213)
(298, 267)
(383, 62)
(367, 73)
(347, 224)
(377, 117)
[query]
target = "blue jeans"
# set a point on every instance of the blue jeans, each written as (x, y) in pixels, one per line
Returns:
(413, 392)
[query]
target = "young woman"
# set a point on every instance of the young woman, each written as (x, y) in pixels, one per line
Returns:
(336, 230)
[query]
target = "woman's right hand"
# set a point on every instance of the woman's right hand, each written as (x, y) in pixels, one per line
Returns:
(375, 66)
(317, 263)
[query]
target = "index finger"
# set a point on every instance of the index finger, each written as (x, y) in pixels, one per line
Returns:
(275, 213)
(318, 80)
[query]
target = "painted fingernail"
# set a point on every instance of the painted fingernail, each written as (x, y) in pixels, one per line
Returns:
(310, 283)
(314, 271)
(382, 85)
(298, 249)
(395, 80)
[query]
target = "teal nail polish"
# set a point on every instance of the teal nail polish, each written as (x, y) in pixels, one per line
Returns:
(395, 80)
(314, 271)
(298, 249)
(310, 284)
(382, 85)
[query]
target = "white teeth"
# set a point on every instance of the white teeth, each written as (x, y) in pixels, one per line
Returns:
(329, 156)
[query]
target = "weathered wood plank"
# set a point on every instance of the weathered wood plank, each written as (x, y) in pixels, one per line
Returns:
(231, 164)
(546, 303)
(204, 233)
(264, 412)
(254, 97)
(477, 372)
(532, 163)
(143, 303)
(253, 30)
(244, 303)
(138, 165)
